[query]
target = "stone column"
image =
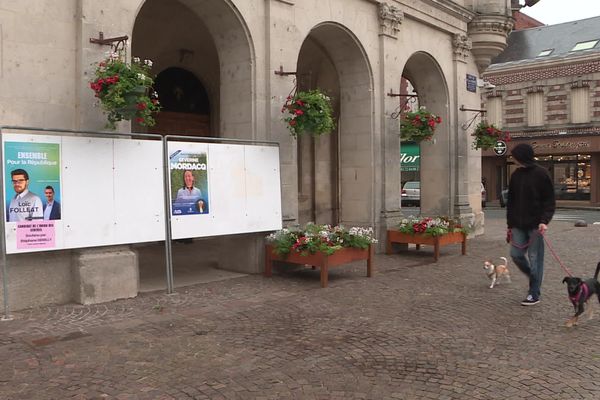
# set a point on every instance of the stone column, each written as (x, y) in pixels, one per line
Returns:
(283, 46)
(462, 209)
(390, 20)
(111, 272)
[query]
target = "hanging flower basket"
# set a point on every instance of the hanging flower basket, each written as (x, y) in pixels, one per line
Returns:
(125, 90)
(308, 113)
(486, 135)
(418, 125)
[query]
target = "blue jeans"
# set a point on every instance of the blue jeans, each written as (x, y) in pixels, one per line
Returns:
(532, 243)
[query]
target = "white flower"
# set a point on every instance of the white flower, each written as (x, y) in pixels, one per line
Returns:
(148, 63)
(136, 59)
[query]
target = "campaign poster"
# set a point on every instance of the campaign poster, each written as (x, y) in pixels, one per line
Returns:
(32, 191)
(189, 182)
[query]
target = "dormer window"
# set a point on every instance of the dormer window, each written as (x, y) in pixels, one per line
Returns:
(590, 44)
(545, 53)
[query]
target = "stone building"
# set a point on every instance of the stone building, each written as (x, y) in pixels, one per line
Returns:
(547, 86)
(224, 69)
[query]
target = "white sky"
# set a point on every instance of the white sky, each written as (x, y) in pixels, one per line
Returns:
(552, 12)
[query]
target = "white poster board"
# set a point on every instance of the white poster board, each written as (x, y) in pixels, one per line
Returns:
(109, 191)
(242, 189)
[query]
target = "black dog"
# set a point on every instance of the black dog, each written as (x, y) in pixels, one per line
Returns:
(580, 292)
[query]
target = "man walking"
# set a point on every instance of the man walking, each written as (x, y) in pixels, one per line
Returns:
(530, 208)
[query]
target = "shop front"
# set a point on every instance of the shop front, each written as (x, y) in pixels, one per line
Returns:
(573, 163)
(410, 154)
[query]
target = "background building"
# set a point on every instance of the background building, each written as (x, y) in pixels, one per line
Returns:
(225, 68)
(547, 86)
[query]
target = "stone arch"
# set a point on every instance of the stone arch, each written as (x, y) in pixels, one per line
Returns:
(335, 172)
(210, 39)
(430, 84)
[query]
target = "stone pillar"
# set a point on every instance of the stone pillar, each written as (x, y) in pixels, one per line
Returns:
(104, 274)
(461, 139)
(281, 53)
(390, 19)
(462, 46)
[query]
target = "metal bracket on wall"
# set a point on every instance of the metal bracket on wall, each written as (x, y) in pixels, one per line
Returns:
(410, 98)
(478, 112)
(284, 73)
(118, 43)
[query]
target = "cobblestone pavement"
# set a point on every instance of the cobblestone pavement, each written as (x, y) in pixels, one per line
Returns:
(416, 330)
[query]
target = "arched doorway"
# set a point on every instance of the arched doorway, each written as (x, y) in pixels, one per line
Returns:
(335, 172)
(204, 59)
(209, 40)
(425, 75)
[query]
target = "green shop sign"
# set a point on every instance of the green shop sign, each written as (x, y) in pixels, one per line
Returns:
(409, 156)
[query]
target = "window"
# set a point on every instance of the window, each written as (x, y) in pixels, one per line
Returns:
(494, 111)
(585, 45)
(580, 105)
(545, 53)
(535, 109)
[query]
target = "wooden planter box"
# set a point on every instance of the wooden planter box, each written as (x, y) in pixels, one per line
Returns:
(394, 236)
(321, 260)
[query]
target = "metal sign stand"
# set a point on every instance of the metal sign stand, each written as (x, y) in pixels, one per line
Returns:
(6, 316)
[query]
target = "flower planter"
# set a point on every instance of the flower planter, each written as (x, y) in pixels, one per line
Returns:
(394, 236)
(321, 260)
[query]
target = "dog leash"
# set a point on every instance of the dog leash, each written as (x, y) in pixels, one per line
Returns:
(556, 257)
(524, 246)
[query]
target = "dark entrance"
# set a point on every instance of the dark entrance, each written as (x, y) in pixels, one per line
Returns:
(185, 105)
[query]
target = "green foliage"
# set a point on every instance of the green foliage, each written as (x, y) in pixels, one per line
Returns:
(125, 90)
(436, 226)
(319, 238)
(308, 112)
(486, 135)
(418, 125)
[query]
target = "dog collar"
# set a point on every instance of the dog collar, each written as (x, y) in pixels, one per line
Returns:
(583, 290)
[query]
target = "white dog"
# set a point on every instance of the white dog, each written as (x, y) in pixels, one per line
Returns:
(495, 272)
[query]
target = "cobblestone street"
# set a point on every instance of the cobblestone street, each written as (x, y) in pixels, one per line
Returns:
(416, 330)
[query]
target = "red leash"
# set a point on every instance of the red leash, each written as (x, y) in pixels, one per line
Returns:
(549, 246)
(556, 257)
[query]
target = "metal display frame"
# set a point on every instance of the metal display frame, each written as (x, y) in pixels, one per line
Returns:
(104, 134)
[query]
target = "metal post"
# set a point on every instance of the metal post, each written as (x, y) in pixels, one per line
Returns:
(6, 316)
(168, 233)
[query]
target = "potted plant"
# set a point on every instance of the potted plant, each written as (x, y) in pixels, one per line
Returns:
(436, 231)
(125, 90)
(321, 246)
(308, 112)
(418, 125)
(486, 135)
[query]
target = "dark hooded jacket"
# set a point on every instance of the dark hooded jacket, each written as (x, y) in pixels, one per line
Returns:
(530, 193)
